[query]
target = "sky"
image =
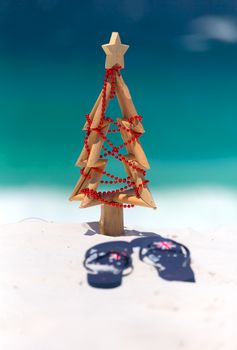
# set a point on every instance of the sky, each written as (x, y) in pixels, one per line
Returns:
(28, 25)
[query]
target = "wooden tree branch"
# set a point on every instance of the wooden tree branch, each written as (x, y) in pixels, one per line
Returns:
(91, 140)
(78, 197)
(92, 113)
(138, 178)
(134, 147)
(96, 147)
(126, 103)
(146, 196)
(98, 112)
(81, 183)
(129, 197)
(83, 180)
(93, 184)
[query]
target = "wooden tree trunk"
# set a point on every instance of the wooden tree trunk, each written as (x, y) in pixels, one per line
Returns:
(111, 221)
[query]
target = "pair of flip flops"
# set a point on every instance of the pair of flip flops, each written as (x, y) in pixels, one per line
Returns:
(107, 263)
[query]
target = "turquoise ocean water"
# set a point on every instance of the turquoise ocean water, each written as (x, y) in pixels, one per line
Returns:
(52, 68)
(182, 74)
(188, 103)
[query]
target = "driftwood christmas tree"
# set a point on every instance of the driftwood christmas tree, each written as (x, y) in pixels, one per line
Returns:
(98, 148)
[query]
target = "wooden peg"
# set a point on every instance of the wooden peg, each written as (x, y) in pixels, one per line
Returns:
(98, 112)
(83, 157)
(129, 197)
(126, 103)
(92, 113)
(138, 178)
(88, 204)
(134, 147)
(96, 175)
(81, 183)
(146, 196)
(84, 180)
(96, 147)
(99, 163)
(78, 197)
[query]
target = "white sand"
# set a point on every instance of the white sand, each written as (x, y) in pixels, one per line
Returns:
(46, 303)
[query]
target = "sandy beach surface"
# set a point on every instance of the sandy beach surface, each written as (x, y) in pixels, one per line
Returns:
(46, 303)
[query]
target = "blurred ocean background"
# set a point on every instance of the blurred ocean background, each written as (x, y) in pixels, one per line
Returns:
(181, 69)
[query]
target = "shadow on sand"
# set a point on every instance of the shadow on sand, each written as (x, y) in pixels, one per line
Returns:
(94, 230)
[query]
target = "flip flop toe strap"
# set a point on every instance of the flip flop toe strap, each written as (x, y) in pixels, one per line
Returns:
(155, 250)
(117, 262)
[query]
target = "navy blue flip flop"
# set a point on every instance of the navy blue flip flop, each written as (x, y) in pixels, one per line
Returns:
(107, 263)
(170, 258)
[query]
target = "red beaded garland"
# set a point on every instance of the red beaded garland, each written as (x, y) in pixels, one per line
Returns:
(114, 152)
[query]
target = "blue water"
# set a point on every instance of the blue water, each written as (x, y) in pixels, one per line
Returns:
(52, 68)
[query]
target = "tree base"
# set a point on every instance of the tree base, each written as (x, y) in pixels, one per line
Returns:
(111, 221)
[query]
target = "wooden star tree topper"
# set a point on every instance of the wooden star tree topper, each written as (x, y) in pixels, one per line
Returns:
(114, 51)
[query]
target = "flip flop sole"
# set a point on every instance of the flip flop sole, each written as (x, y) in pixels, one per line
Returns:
(105, 280)
(114, 256)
